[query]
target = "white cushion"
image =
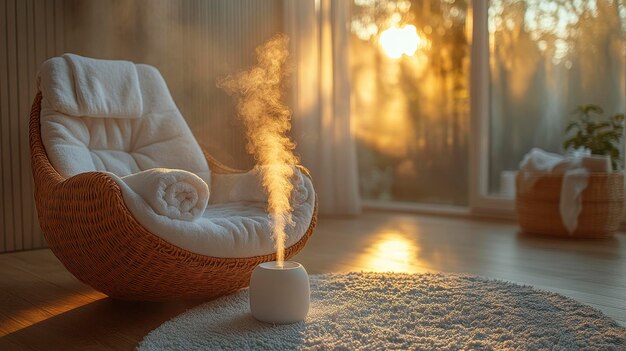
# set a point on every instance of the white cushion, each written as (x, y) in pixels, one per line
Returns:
(158, 137)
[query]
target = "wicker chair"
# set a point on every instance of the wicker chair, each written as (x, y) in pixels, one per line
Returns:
(89, 228)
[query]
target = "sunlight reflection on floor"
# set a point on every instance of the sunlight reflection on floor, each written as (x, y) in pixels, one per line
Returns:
(392, 251)
(24, 318)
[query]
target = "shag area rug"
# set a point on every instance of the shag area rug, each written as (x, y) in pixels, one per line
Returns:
(373, 311)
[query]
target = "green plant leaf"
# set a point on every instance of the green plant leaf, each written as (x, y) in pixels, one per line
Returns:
(611, 135)
(601, 137)
(604, 124)
(592, 108)
(571, 125)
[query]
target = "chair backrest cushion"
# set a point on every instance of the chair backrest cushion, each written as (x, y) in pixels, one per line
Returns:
(115, 116)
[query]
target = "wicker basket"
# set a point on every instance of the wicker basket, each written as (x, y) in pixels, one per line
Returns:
(602, 206)
(89, 228)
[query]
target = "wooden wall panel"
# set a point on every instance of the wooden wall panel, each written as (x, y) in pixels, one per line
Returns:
(30, 32)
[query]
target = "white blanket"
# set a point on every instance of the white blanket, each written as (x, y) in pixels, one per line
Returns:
(118, 117)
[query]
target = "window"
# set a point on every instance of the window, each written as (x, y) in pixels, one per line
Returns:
(528, 63)
(410, 79)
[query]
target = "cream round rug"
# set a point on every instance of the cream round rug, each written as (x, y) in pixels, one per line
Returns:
(372, 311)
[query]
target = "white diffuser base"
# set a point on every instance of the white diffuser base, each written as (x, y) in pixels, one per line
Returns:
(279, 295)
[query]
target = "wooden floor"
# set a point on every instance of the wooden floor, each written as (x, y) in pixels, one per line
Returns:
(42, 307)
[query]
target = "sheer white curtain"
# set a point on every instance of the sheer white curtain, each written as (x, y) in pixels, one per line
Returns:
(321, 100)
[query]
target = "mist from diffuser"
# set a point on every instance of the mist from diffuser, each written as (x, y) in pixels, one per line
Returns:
(398, 41)
(267, 120)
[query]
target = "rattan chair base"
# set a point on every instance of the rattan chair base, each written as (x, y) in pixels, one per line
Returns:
(602, 207)
(89, 228)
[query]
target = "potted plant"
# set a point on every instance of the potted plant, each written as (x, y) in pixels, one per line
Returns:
(600, 137)
(603, 198)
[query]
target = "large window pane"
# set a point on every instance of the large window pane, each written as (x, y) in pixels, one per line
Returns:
(547, 57)
(410, 71)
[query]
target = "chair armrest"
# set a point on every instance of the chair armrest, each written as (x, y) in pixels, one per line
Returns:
(87, 185)
(216, 166)
(246, 186)
(83, 214)
(84, 197)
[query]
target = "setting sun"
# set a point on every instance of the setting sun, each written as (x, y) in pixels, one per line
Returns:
(398, 41)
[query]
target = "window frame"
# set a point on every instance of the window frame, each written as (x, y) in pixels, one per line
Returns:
(480, 200)
(480, 203)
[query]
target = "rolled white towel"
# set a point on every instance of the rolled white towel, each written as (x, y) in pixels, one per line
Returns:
(176, 194)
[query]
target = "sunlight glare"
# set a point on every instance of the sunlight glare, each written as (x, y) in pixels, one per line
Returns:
(393, 252)
(54, 308)
(398, 41)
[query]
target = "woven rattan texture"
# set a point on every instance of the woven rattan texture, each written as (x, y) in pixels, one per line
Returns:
(602, 206)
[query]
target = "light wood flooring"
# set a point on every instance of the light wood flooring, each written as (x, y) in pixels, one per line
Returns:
(43, 307)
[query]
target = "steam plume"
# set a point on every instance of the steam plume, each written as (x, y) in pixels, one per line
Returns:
(267, 121)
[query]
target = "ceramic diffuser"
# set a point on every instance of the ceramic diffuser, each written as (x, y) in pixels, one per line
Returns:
(279, 295)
